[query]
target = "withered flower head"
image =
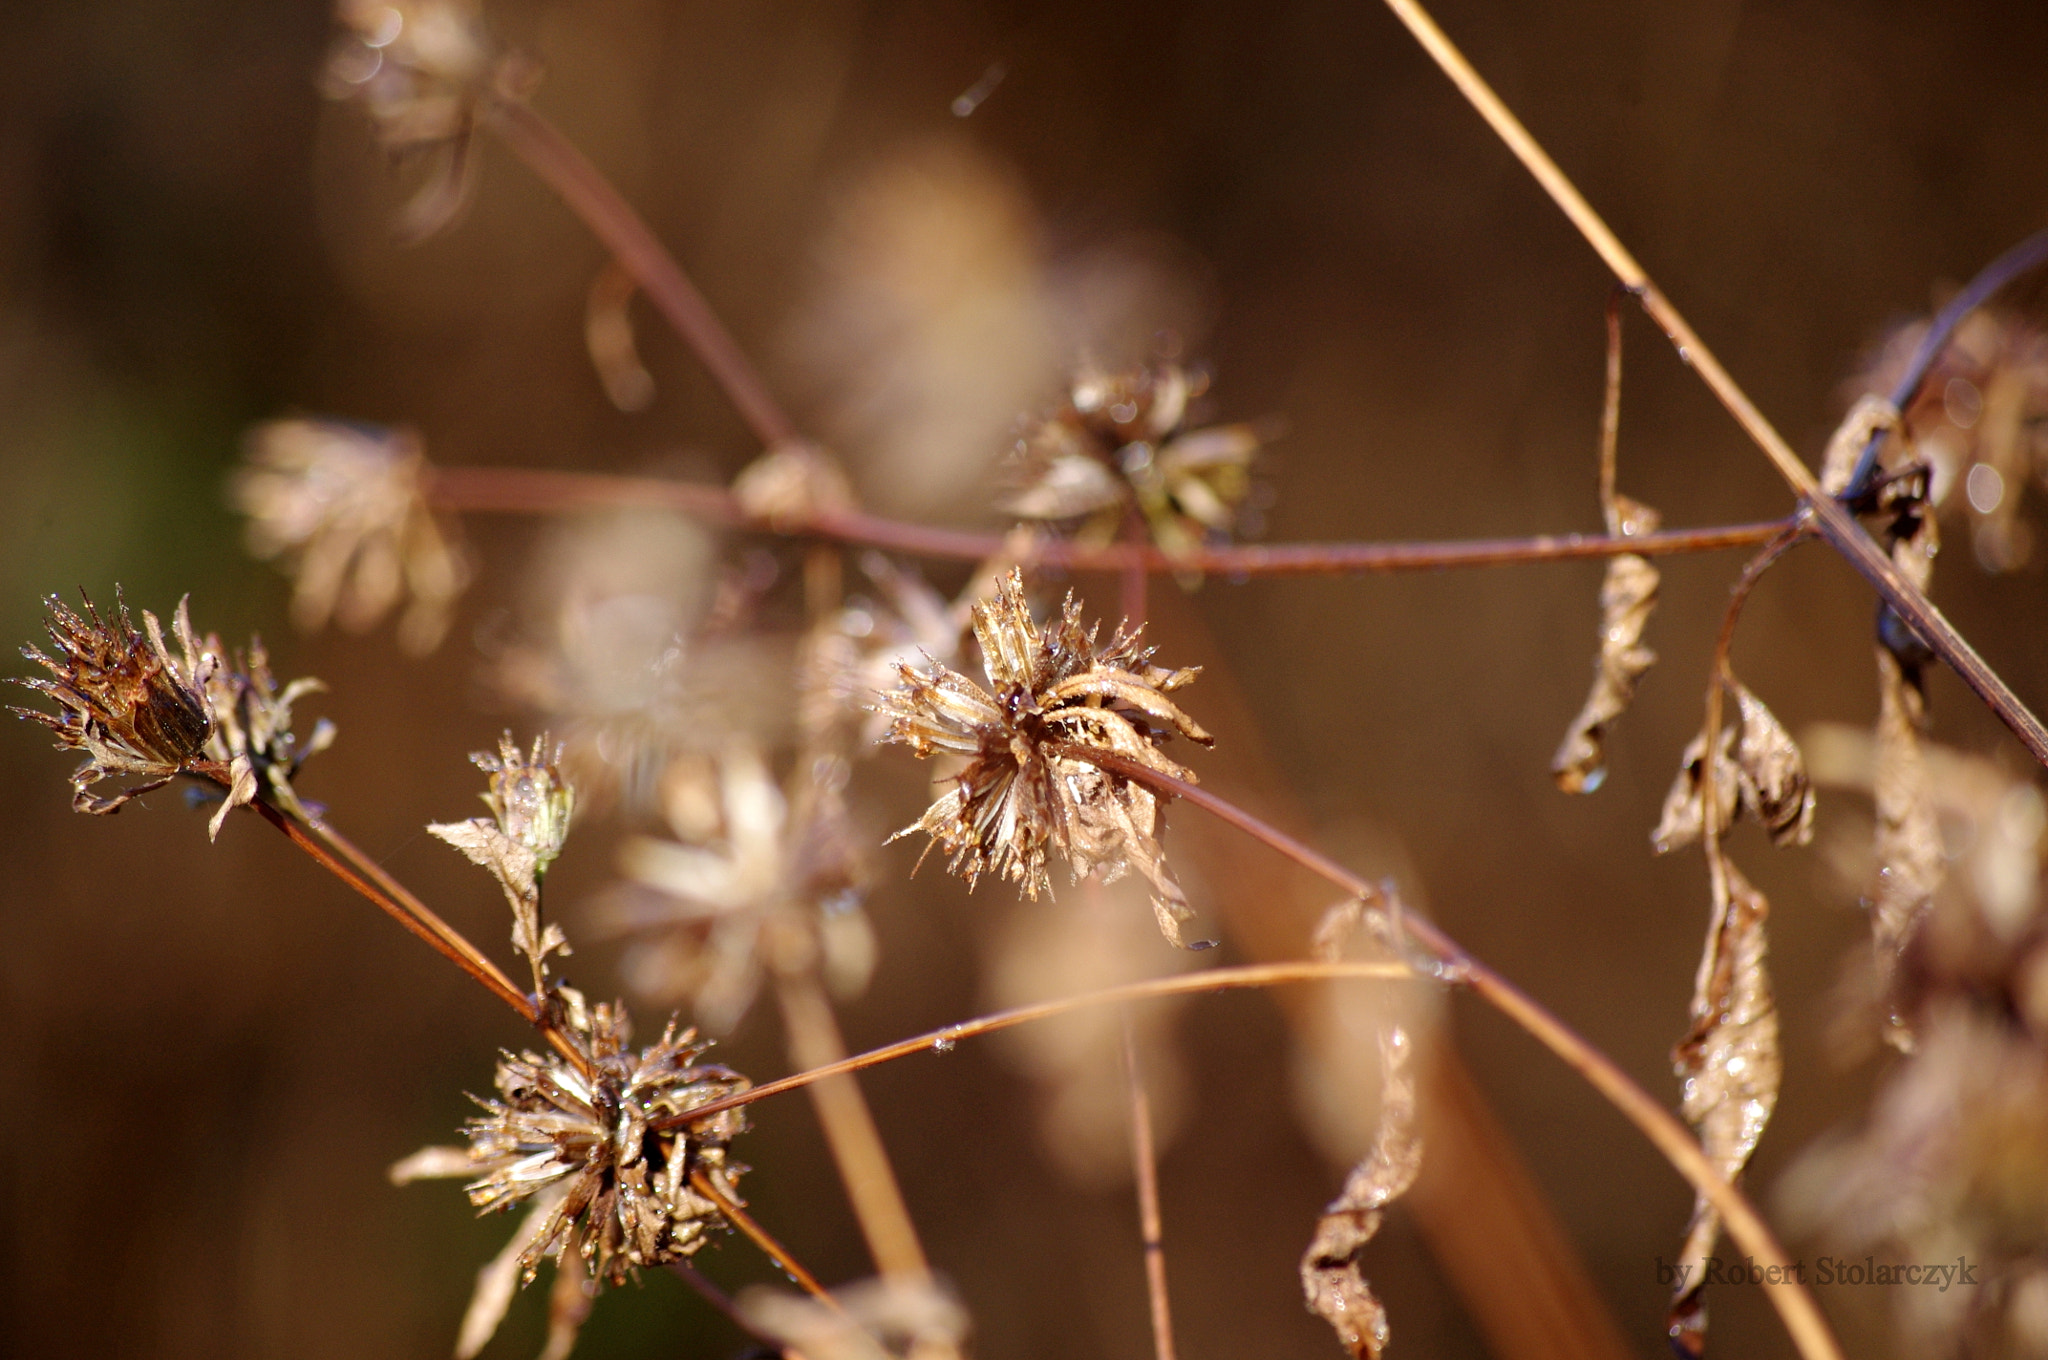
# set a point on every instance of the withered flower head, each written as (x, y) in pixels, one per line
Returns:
(1016, 799)
(345, 504)
(531, 804)
(605, 1187)
(420, 69)
(1121, 443)
(135, 710)
(754, 881)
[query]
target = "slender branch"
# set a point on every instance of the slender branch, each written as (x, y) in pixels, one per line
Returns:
(1836, 524)
(1145, 1167)
(942, 1040)
(708, 1289)
(534, 491)
(1691, 348)
(773, 1249)
(612, 220)
(1802, 1317)
(856, 1145)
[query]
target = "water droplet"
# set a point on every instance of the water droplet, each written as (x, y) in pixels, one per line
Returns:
(943, 1044)
(1685, 356)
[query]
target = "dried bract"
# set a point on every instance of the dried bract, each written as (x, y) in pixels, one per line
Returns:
(345, 504)
(134, 709)
(1331, 1277)
(753, 882)
(1121, 443)
(1731, 1069)
(1016, 800)
(253, 726)
(531, 805)
(606, 1188)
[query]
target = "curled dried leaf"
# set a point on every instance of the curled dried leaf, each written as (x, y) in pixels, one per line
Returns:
(1731, 1069)
(608, 335)
(1627, 595)
(1772, 772)
(1758, 771)
(1331, 1277)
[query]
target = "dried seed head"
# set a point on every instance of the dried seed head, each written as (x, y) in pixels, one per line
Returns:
(606, 1186)
(1121, 443)
(135, 710)
(345, 504)
(752, 882)
(1016, 800)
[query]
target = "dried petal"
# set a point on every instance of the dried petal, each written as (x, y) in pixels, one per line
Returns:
(1331, 1277)
(1731, 1069)
(1627, 595)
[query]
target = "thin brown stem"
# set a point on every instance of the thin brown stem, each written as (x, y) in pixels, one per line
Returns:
(1610, 414)
(535, 491)
(942, 1040)
(708, 1289)
(850, 1132)
(1836, 524)
(771, 1248)
(613, 221)
(1603, 240)
(1802, 1317)
(1145, 1169)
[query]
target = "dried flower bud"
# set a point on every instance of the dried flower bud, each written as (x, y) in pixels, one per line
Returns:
(345, 504)
(420, 69)
(532, 805)
(1016, 799)
(607, 1187)
(1121, 443)
(135, 710)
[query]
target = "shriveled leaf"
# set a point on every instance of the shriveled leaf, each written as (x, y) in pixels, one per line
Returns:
(1910, 859)
(1331, 1278)
(1680, 824)
(1731, 1069)
(1627, 596)
(1845, 446)
(1772, 773)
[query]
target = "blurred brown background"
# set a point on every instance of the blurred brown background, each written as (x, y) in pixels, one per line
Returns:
(214, 1052)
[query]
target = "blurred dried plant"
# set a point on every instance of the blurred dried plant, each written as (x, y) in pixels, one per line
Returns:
(343, 504)
(752, 882)
(1018, 797)
(1120, 446)
(872, 1320)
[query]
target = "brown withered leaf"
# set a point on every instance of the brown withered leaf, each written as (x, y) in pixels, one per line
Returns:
(1331, 1280)
(1771, 773)
(1758, 771)
(1627, 595)
(1910, 859)
(1680, 824)
(1731, 1069)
